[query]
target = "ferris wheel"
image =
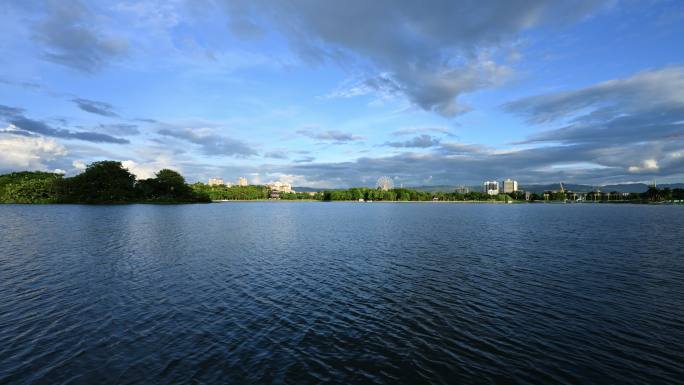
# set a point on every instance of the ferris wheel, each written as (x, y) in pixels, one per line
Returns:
(385, 183)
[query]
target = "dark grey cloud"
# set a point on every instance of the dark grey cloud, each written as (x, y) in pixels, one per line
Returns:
(42, 128)
(95, 107)
(15, 117)
(431, 53)
(421, 141)
(70, 37)
(210, 143)
(646, 107)
(329, 135)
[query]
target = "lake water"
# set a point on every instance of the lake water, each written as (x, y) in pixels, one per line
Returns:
(341, 293)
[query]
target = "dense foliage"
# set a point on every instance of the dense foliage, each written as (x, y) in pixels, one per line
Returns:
(251, 192)
(404, 194)
(355, 194)
(30, 187)
(101, 182)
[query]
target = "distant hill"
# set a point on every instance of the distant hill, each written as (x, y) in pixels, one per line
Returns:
(307, 189)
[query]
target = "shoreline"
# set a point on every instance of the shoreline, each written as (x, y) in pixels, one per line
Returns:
(454, 202)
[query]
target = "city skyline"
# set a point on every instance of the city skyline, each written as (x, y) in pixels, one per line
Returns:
(447, 93)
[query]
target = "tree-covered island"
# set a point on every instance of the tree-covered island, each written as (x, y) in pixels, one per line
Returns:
(101, 182)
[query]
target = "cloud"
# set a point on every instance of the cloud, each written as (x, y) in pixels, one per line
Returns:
(210, 143)
(28, 153)
(638, 120)
(629, 129)
(70, 37)
(43, 128)
(649, 92)
(15, 117)
(124, 129)
(141, 171)
(10, 111)
(95, 107)
(79, 165)
(646, 165)
(305, 159)
(276, 154)
(329, 135)
(458, 148)
(421, 141)
(430, 53)
(420, 130)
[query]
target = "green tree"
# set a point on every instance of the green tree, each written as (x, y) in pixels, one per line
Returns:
(102, 182)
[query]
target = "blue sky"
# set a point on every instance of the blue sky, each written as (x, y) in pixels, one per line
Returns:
(337, 94)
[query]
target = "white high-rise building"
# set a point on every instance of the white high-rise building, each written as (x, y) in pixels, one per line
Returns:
(491, 187)
(510, 186)
(242, 181)
(215, 182)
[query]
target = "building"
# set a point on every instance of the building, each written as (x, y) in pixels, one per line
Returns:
(491, 188)
(462, 190)
(509, 186)
(274, 194)
(280, 187)
(241, 181)
(215, 182)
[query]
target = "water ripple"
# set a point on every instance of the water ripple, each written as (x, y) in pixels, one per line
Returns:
(341, 293)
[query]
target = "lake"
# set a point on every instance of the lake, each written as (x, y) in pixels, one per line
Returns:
(309, 292)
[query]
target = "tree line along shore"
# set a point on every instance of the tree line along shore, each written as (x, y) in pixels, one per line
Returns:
(109, 182)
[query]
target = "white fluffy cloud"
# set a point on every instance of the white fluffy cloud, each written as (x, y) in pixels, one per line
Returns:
(141, 171)
(148, 168)
(646, 165)
(18, 152)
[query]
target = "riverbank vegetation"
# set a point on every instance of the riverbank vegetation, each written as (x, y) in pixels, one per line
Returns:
(101, 182)
(251, 192)
(653, 195)
(110, 182)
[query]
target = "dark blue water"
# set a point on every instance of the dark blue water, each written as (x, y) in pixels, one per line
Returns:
(342, 293)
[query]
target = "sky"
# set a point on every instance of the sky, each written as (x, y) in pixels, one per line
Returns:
(339, 93)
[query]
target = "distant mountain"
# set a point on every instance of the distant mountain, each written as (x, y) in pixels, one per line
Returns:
(307, 189)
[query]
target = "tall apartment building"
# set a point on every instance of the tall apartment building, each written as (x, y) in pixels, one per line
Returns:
(215, 182)
(510, 186)
(462, 190)
(491, 187)
(242, 181)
